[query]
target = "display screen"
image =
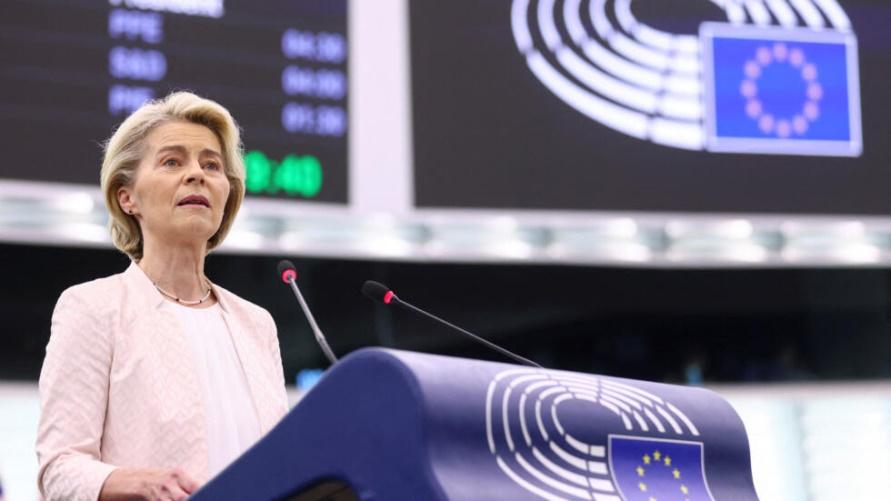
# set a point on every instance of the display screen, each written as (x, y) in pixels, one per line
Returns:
(73, 69)
(621, 105)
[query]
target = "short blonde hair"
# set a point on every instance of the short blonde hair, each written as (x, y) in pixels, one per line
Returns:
(126, 147)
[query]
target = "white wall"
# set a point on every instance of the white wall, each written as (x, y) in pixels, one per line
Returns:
(380, 154)
(19, 410)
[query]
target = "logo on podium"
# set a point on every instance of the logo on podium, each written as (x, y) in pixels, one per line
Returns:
(566, 436)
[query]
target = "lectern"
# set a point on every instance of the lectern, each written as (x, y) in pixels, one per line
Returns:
(390, 425)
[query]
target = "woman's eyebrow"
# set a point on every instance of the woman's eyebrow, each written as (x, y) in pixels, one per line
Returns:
(210, 152)
(182, 150)
(175, 148)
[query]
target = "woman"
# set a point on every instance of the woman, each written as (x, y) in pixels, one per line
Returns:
(155, 379)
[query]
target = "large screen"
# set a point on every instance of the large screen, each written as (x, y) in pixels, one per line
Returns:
(683, 106)
(73, 69)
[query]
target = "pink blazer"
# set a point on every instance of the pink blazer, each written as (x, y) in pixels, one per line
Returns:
(118, 387)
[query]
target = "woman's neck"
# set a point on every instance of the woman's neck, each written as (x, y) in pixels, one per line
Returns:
(177, 269)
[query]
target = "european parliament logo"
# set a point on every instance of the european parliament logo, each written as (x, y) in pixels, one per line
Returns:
(548, 434)
(774, 90)
(778, 77)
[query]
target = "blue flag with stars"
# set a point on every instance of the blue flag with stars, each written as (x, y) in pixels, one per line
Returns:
(780, 90)
(647, 469)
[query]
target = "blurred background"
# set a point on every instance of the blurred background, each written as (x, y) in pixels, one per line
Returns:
(693, 192)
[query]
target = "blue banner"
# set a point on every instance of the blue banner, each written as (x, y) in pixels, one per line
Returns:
(777, 90)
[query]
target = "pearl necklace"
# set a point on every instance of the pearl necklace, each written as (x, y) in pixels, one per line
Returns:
(183, 301)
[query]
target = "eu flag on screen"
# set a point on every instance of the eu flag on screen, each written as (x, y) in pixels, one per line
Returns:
(781, 90)
(666, 470)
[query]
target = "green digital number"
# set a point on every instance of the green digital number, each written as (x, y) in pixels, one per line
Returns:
(296, 175)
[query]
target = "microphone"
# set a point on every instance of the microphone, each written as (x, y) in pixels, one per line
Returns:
(288, 274)
(379, 292)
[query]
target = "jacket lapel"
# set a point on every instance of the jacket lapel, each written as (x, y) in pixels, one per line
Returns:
(249, 355)
(166, 333)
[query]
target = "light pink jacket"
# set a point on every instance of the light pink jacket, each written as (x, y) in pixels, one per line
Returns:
(118, 387)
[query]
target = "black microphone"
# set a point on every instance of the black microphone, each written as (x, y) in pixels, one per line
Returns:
(379, 292)
(288, 274)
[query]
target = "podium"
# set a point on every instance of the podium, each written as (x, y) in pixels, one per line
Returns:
(390, 425)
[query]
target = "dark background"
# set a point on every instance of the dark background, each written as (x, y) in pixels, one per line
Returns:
(488, 134)
(662, 325)
(54, 81)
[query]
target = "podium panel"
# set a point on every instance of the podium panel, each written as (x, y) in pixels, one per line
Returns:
(394, 425)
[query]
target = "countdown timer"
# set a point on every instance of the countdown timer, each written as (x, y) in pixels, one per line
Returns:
(294, 175)
(73, 69)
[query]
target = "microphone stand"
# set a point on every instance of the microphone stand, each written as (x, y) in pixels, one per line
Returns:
(320, 338)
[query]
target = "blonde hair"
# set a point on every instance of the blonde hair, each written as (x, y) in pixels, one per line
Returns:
(126, 147)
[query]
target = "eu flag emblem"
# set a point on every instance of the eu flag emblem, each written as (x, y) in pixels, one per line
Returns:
(781, 90)
(647, 469)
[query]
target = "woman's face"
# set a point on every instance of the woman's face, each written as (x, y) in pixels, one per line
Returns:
(181, 188)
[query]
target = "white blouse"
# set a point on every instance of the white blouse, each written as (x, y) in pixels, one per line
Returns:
(232, 423)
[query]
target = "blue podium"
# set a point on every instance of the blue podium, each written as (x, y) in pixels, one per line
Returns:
(391, 425)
